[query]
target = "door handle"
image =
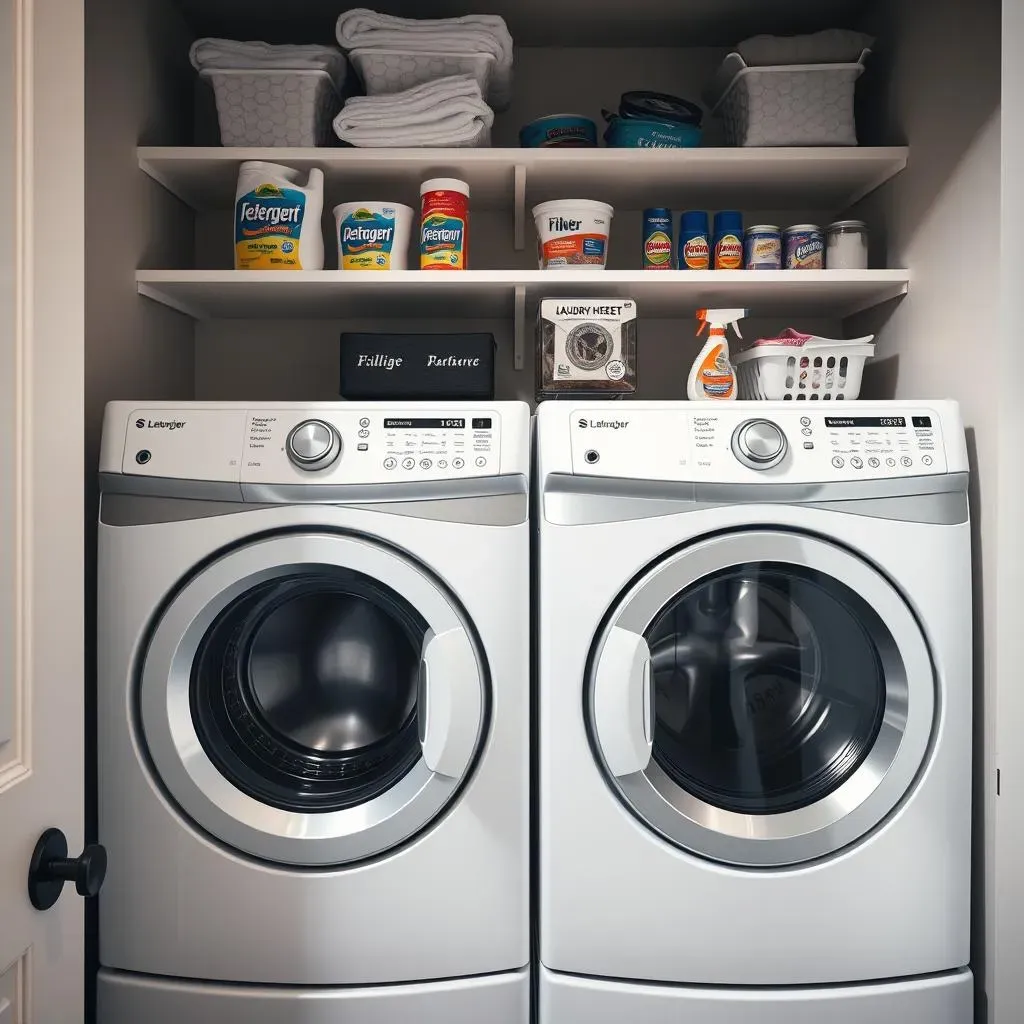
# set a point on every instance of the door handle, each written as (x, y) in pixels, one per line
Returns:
(51, 867)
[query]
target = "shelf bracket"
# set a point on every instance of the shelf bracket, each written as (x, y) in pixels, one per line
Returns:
(520, 326)
(519, 239)
(158, 295)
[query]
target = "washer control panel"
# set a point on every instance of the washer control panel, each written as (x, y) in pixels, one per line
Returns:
(283, 445)
(730, 443)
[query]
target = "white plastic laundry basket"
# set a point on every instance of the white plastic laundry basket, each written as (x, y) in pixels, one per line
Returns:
(786, 105)
(810, 372)
(389, 71)
(274, 108)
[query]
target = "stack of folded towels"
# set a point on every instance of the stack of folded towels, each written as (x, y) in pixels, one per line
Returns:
(232, 55)
(445, 112)
(474, 33)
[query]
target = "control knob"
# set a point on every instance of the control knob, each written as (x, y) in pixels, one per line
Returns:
(759, 444)
(313, 444)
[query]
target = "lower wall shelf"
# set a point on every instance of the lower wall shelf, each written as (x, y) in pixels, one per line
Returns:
(500, 294)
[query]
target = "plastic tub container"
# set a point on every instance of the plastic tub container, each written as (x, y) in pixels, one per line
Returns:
(274, 108)
(786, 104)
(388, 71)
(373, 236)
(558, 130)
(639, 133)
(572, 233)
(812, 372)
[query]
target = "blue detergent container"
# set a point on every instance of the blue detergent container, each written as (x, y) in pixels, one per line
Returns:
(654, 120)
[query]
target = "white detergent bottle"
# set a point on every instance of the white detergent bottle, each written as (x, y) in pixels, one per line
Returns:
(712, 376)
(277, 219)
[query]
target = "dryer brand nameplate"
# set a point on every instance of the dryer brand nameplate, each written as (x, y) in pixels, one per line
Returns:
(798, 445)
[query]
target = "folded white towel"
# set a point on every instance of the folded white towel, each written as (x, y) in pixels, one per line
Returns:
(231, 54)
(445, 112)
(472, 33)
(832, 46)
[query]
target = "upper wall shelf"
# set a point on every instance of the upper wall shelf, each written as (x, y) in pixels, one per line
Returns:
(543, 22)
(753, 179)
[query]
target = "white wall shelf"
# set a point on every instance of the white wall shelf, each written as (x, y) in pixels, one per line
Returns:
(512, 294)
(515, 179)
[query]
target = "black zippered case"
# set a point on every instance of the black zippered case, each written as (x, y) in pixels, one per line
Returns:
(417, 366)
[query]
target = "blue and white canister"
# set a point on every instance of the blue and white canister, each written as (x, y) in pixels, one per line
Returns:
(762, 248)
(803, 247)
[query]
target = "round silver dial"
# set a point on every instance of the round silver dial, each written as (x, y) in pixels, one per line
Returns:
(759, 444)
(313, 444)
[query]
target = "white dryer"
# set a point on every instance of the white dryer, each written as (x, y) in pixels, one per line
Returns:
(755, 700)
(314, 713)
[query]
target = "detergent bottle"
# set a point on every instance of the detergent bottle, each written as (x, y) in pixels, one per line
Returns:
(712, 377)
(277, 220)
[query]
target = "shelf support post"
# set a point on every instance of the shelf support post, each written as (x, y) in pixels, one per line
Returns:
(519, 239)
(519, 326)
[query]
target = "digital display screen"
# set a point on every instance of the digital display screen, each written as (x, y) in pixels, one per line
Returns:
(923, 422)
(425, 424)
(482, 424)
(854, 422)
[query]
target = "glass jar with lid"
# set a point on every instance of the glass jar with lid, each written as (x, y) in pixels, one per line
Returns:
(846, 245)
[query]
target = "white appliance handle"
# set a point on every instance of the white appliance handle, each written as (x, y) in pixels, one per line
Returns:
(624, 702)
(449, 702)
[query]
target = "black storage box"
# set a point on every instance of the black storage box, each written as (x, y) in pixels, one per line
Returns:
(417, 366)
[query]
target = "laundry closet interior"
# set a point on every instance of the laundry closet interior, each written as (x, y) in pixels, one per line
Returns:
(168, 318)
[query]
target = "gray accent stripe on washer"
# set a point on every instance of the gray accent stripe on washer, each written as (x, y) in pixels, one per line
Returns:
(579, 500)
(362, 494)
(140, 510)
(166, 487)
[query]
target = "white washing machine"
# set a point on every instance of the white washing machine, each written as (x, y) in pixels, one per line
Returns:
(755, 705)
(314, 713)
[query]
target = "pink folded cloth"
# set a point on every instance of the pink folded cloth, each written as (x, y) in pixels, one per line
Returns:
(790, 336)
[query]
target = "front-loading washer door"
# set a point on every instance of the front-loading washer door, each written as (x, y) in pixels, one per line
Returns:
(761, 698)
(312, 699)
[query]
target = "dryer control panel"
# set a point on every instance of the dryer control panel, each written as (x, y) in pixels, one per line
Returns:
(743, 441)
(333, 443)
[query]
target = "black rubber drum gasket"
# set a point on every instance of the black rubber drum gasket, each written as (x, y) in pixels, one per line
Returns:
(248, 750)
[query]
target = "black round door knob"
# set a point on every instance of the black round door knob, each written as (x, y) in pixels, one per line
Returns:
(51, 867)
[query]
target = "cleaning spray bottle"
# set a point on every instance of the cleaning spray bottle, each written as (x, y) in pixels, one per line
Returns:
(712, 377)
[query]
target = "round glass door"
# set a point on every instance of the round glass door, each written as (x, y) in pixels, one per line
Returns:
(312, 699)
(780, 694)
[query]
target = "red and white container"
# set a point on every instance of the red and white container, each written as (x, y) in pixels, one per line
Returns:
(572, 233)
(444, 224)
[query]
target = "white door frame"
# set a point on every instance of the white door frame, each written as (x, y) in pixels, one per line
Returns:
(42, 327)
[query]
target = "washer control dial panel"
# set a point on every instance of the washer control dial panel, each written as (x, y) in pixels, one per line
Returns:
(313, 445)
(727, 442)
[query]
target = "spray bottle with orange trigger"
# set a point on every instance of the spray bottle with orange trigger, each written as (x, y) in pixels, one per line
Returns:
(712, 377)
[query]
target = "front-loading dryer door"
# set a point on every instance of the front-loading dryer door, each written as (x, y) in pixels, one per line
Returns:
(761, 698)
(312, 699)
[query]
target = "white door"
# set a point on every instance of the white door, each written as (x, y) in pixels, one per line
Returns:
(41, 488)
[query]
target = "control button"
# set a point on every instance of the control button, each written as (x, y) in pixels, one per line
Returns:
(313, 444)
(426, 463)
(907, 461)
(926, 460)
(890, 462)
(873, 462)
(809, 445)
(481, 461)
(362, 447)
(805, 421)
(759, 444)
(143, 456)
(364, 422)
(390, 463)
(838, 461)
(857, 462)
(408, 463)
(442, 463)
(458, 463)
(806, 431)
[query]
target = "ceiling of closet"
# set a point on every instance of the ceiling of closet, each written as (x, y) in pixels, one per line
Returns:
(541, 22)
